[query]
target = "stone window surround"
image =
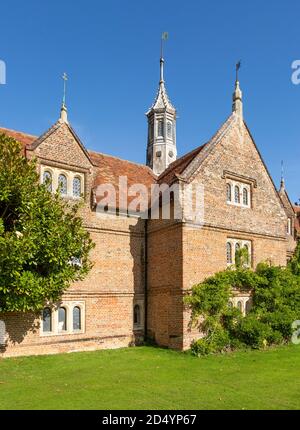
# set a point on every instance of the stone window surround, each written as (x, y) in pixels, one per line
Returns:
(241, 186)
(242, 243)
(70, 175)
(69, 306)
(243, 298)
(142, 315)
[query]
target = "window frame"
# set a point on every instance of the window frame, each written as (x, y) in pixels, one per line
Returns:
(77, 178)
(241, 243)
(51, 320)
(241, 187)
(69, 306)
(62, 174)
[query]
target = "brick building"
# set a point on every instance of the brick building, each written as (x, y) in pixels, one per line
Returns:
(143, 267)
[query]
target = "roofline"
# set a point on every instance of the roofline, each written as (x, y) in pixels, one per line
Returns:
(19, 132)
(265, 166)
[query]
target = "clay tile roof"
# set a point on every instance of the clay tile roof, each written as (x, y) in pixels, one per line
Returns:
(110, 168)
(24, 138)
(178, 166)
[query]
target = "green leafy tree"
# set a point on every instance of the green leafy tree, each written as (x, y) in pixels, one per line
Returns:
(41, 236)
(241, 257)
(294, 264)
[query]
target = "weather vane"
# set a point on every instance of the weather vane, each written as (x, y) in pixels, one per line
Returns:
(65, 78)
(164, 36)
(237, 68)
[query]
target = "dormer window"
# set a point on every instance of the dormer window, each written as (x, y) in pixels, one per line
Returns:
(160, 128)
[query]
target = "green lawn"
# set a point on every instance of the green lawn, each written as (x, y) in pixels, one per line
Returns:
(152, 378)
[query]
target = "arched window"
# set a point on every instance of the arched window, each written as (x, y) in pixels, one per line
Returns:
(47, 320)
(47, 179)
(229, 253)
(236, 194)
(248, 306)
(76, 318)
(245, 197)
(136, 315)
(160, 128)
(62, 319)
(169, 129)
(76, 187)
(237, 247)
(248, 254)
(228, 192)
(240, 306)
(230, 304)
(63, 185)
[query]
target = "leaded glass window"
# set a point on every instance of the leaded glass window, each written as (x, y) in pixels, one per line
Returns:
(63, 185)
(62, 319)
(47, 320)
(76, 318)
(236, 194)
(76, 187)
(47, 179)
(245, 197)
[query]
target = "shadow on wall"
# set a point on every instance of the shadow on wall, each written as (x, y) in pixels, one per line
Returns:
(14, 327)
(137, 251)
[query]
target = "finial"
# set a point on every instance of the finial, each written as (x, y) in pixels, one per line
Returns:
(63, 110)
(164, 36)
(237, 68)
(282, 182)
(237, 105)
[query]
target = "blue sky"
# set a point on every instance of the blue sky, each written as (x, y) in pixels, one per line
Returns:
(110, 50)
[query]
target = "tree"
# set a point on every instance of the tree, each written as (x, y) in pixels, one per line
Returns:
(41, 236)
(294, 264)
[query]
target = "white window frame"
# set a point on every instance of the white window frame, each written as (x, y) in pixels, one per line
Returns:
(242, 243)
(244, 299)
(241, 186)
(69, 306)
(70, 175)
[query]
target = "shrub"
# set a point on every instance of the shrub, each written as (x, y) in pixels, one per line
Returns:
(254, 333)
(276, 305)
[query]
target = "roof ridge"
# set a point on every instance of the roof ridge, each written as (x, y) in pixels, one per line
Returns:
(180, 159)
(121, 159)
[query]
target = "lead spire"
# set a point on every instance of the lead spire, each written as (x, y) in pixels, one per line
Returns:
(164, 36)
(63, 110)
(282, 182)
(161, 146)
(237, 105)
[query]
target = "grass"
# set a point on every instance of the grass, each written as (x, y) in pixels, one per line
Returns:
(152, 378)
